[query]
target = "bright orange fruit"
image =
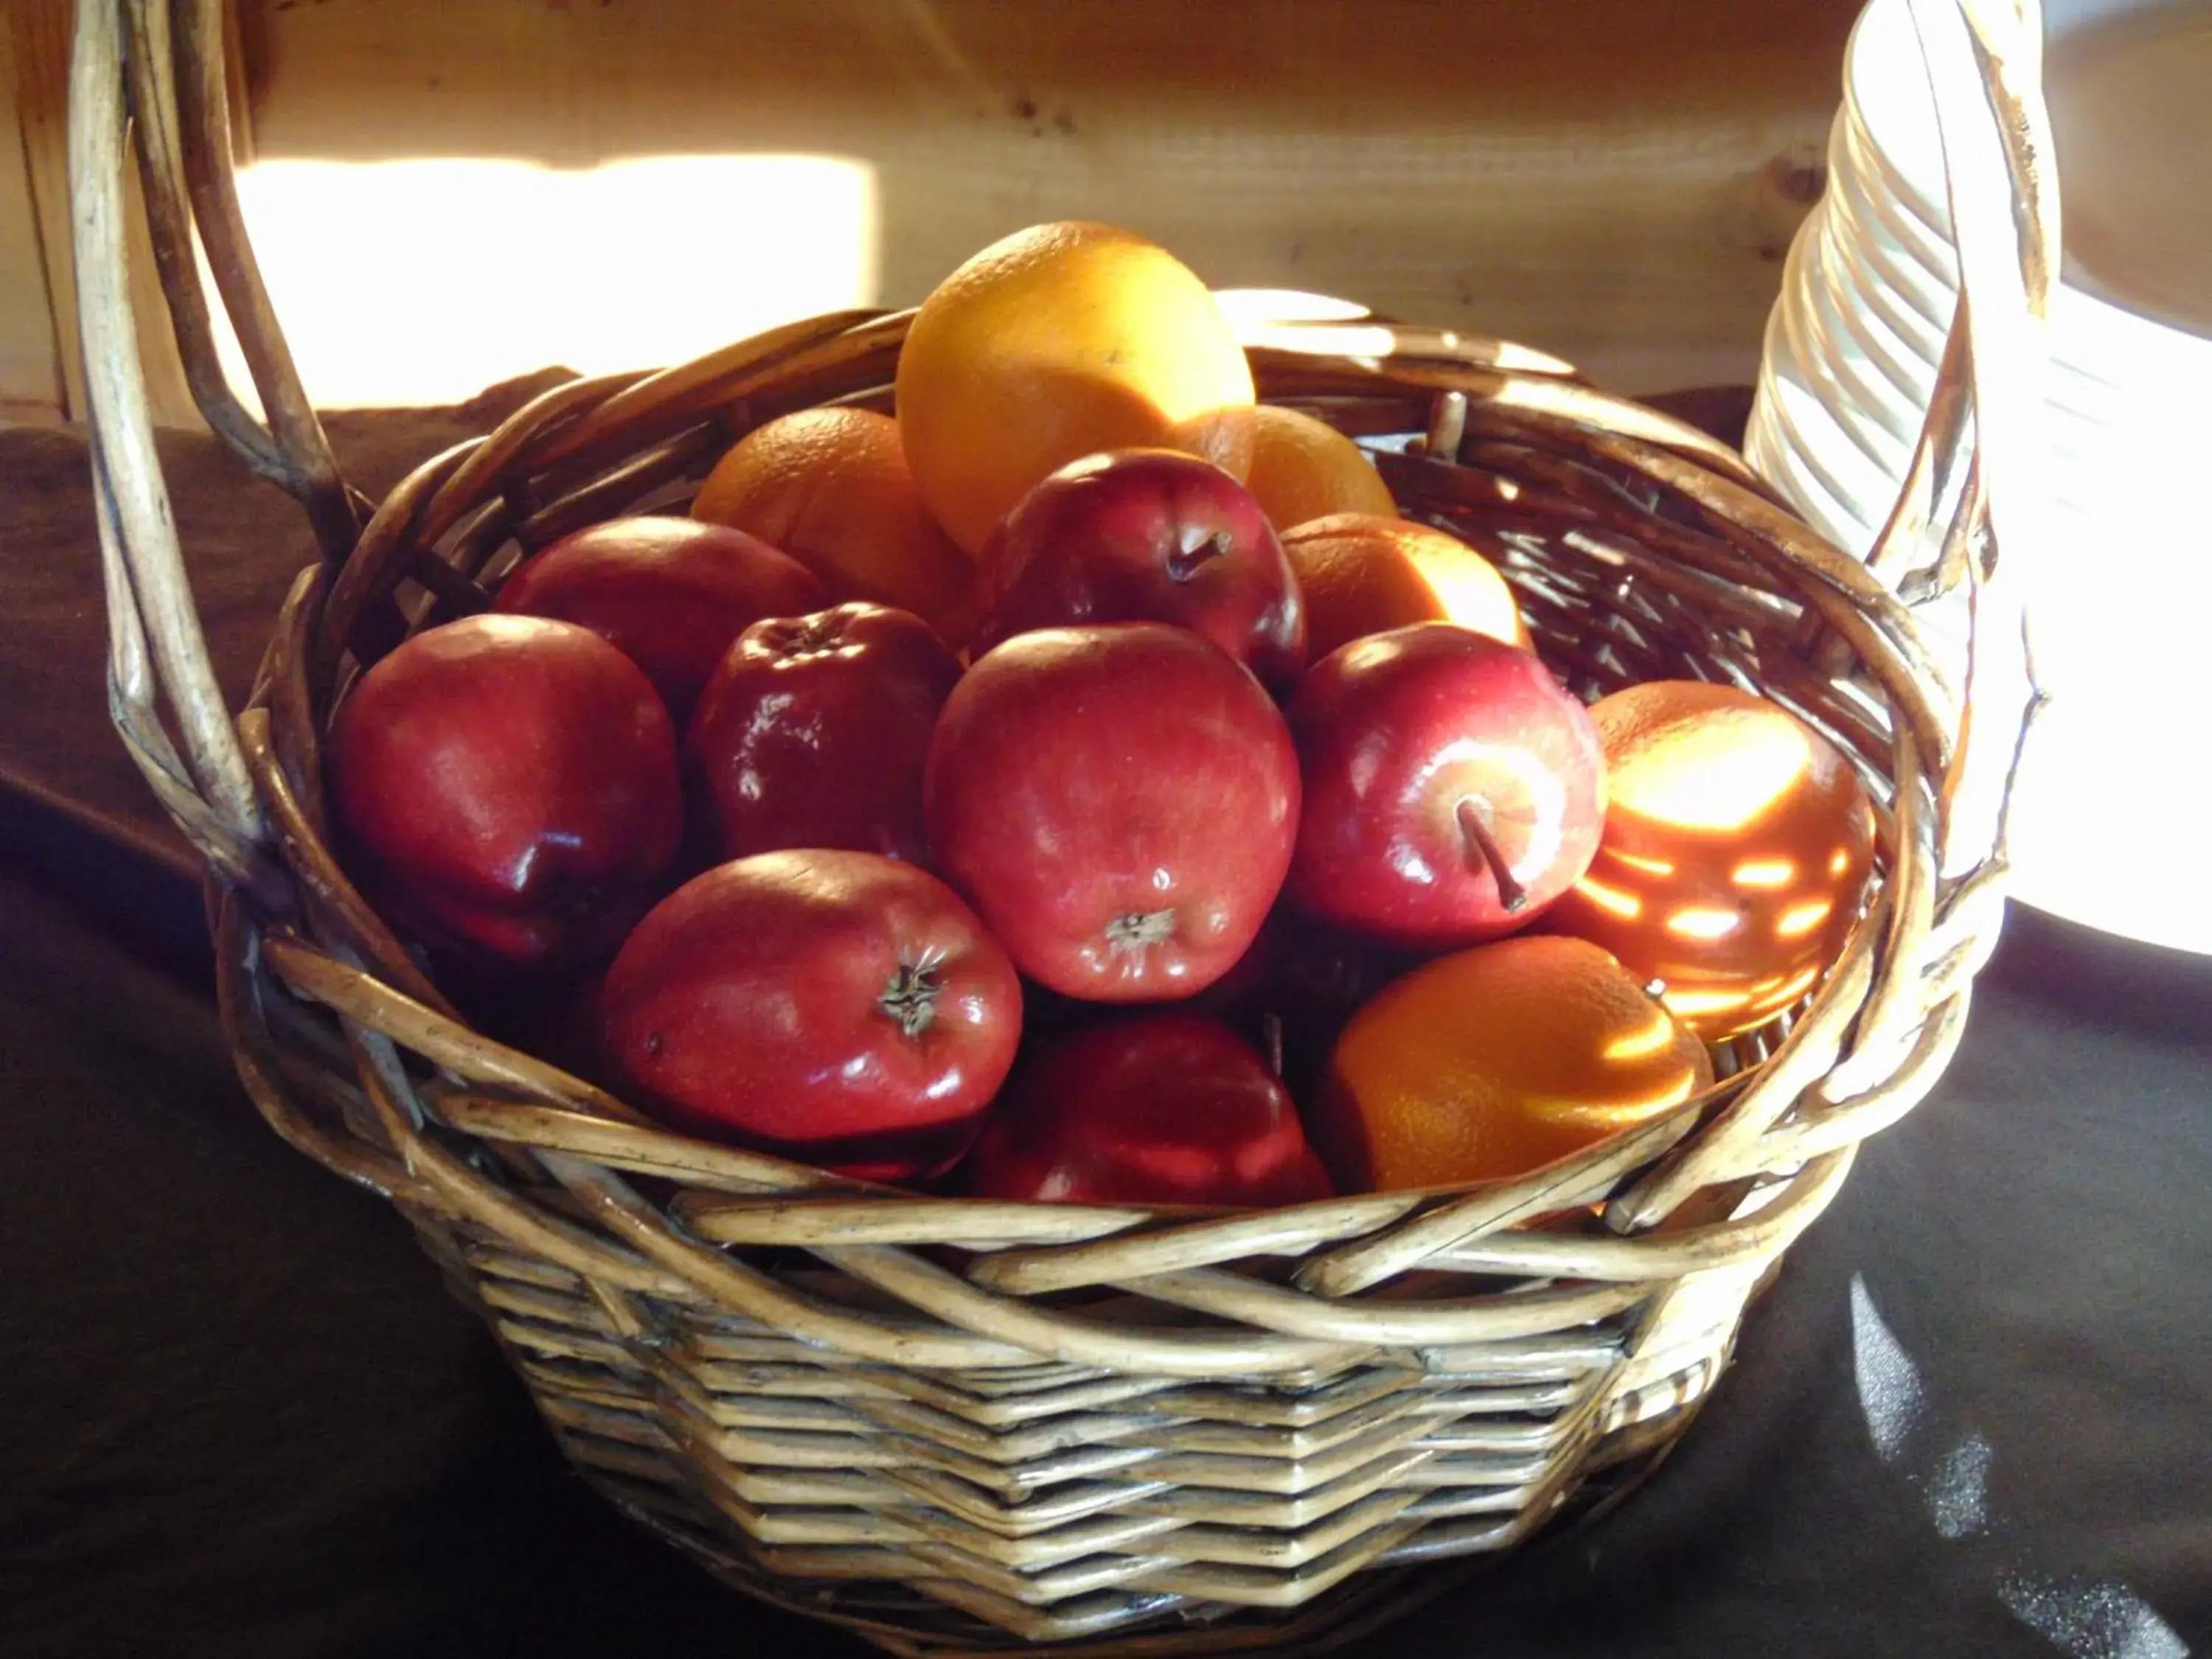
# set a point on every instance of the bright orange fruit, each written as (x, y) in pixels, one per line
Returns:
(1737, 846)
(1489, 1063)
(1361, 574)
(1061, 341)
(1303, 468)
(830, 486)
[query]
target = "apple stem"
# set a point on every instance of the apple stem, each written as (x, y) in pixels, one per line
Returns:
(1183, 562)
(911, 998)
(1482, 846)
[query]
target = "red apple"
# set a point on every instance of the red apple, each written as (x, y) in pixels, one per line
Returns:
(839, 1008)
(670, 593)
(1118, 802)
(1306, 971)
(814, 730)
(1167, 1107)
(509, 786)
(1147, 535)
(1291, 993)
(1453, 788)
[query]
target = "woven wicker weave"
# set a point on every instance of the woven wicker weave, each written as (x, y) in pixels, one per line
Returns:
(956, 1424)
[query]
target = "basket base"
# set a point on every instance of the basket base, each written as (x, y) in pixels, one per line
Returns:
(652, 1467)
(901, 1621)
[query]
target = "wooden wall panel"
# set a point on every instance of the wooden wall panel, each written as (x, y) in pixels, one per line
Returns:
(41, 372)
(38, 379)
(1613, 179)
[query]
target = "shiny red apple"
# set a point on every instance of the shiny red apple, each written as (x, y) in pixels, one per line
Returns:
(842, 1009)
(669, 593)
(814, 730)
(1118, 802)
(1165, 1107)
(1453, 788)
(507, 785)
(1147, 535)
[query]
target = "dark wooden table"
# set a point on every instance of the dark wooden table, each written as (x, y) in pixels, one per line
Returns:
(242, 1417)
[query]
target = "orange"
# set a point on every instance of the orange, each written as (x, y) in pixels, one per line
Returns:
(1736, 848)
(831, 488)
(1059, 342)
(1361, 574)
(1492, 1062)
(1303, 469)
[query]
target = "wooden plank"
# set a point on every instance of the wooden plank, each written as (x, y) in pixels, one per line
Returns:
(38, 52)
(38, 47)
(30, 371)
(1614, 182)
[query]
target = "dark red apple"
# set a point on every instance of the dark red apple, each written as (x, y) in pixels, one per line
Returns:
(839, 1008)
(1147, 535)
(1453, 788)
(1118, 802)
(510, 787)
(1292, 991)
(1303, 971)
(814, 730)
(1166, 1107)
(669, 593)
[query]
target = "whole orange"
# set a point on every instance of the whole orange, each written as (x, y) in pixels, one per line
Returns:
(1736, 848)
(1061, 341)
(831, 488)
(1361, 574)
(1303, 468)
(1489, 1063)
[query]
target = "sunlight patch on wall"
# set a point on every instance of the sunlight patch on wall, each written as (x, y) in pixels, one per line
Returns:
(425, 281)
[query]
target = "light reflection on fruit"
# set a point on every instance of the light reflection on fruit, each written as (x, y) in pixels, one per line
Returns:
(1656, 1034)
(1728, 772)
(1758, 872)
(1699, 921)
(1800, 919)
(1626, 905)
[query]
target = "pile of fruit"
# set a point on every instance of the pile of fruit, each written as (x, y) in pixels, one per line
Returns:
(1083, 786)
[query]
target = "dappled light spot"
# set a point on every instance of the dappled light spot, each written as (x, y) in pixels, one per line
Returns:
(1765, 874)
(1626, 905)
(1689, 1004)
(1800, 919)
(1723, 776)
(1699, 921)
(1657, 1033)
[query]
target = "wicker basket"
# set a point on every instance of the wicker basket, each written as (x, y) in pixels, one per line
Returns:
(959, 1425)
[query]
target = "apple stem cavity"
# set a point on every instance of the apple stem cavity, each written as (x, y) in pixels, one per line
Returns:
(1484, 851)
(1139, 930)
(1184, 563)
(911, 997)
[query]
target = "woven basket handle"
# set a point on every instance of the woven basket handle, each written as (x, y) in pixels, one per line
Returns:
(176, 106)
(1984, 61)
